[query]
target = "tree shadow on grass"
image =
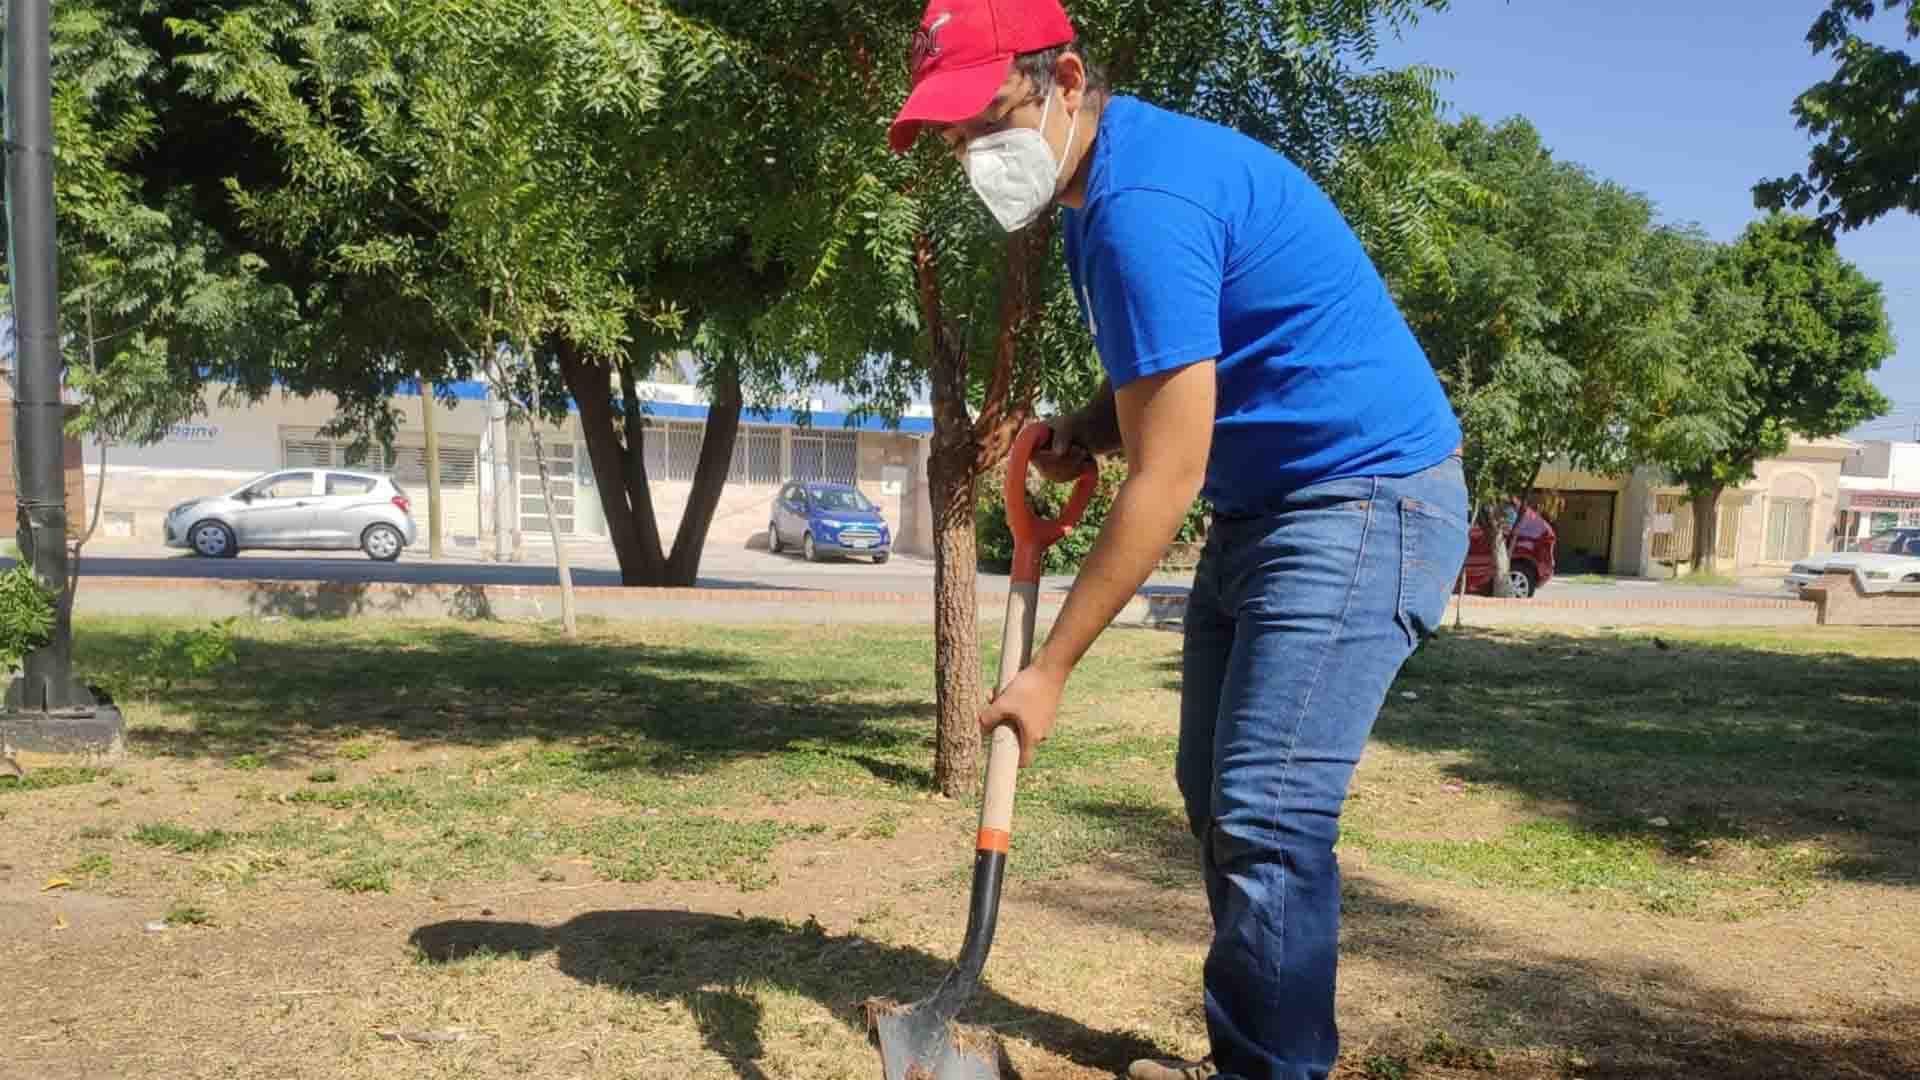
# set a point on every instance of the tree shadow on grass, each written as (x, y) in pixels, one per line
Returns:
(1720, 741)
(1681, 745)
(668, 708)
(1426, 987)
(1622, 1019)
(706, 963)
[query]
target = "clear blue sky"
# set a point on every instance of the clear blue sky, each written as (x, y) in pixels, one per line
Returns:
(1686, 101)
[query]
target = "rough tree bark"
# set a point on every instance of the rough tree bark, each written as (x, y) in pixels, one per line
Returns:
(963, 448)
(615, 446)
(952, 469)
(709, 477)
(1499, 544)
(1706, 529)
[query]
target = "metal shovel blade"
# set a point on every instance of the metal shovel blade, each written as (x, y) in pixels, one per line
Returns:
(922, 1042)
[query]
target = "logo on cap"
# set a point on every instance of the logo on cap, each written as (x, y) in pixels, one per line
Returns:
(926, 41)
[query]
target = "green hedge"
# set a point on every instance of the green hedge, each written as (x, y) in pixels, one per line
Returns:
(1065, 557)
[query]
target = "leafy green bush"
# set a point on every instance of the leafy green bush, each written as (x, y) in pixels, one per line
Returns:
(26, 615)
(1065, 557)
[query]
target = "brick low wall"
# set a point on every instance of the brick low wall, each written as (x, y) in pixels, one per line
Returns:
(1842, 599)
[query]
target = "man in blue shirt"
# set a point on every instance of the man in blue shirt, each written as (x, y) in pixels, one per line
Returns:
(1254, 356)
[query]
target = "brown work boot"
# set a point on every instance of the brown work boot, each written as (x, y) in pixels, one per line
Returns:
(1172, 1070)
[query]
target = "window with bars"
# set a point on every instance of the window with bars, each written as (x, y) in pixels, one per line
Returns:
(307, 454)
(671, 451)
(826, 455)
(459, 458)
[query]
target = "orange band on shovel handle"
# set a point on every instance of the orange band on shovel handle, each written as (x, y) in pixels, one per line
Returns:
(1033, 534)
(993, 840)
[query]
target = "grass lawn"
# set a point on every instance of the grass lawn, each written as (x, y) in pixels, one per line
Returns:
(667, 851)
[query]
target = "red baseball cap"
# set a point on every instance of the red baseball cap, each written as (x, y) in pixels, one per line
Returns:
(961, 55)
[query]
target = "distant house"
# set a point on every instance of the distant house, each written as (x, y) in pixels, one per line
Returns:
(219, 451)
(1641, 524)
(1879, 490)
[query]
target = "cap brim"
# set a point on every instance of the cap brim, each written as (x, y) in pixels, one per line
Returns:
(947, 97)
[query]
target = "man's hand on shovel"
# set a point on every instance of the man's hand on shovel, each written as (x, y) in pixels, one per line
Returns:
(1065, 455)
(1031, 703)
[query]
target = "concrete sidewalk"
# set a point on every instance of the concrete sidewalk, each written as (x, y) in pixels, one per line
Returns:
(1155, 605)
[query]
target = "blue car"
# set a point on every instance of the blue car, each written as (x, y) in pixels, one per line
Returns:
(827, 519)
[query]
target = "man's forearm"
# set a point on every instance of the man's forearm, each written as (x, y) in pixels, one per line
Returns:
(1146, 515)
(1097, 425)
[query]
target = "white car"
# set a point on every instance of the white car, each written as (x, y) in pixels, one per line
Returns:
(1873, 567)
(298, 509)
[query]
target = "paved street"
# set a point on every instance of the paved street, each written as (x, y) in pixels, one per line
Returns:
(721, 568)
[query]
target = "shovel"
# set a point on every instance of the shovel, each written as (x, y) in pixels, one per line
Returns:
(921, 1041)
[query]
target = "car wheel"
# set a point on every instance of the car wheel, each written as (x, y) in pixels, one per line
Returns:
(382, 543)
(773, 538)
(212, 540)
(1523, 581)
(880, 558)
(807, 550)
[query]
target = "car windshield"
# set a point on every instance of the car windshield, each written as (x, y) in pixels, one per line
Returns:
(281, 486)
(1898, 541)
(841, 499)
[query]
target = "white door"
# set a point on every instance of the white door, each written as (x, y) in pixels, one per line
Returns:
(1789, 522)
(560, 472)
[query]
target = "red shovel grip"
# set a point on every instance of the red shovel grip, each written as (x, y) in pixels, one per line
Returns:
(1033, 534)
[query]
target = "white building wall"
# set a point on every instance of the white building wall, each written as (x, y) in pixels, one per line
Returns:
(230, 445)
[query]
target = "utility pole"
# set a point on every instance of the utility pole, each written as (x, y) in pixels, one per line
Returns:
(434, 550)
(504, 497)
(47, 710)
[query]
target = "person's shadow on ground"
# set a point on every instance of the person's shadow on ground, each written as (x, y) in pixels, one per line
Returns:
(683, 956)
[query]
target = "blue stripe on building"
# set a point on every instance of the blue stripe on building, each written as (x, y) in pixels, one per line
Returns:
(473, 390)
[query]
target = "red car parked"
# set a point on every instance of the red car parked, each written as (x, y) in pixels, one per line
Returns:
(1530, 542)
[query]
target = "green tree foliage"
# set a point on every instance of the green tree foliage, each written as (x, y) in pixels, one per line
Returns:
(1866, 118)
(1821, 330)
(709, 174)
(1568, 325)
(153, 305)
(565, 178)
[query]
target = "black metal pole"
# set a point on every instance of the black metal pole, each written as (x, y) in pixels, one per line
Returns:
(39, 414)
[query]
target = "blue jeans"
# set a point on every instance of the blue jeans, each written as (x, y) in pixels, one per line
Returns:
(1298, 622)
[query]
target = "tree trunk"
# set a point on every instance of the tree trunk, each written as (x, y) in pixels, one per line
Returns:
(962, 448)
(1706, 530)
(434, 526)
(1500, 539)
(615, 446)
(620, 478)
(568, 623)
(709, 477)
(951, 472)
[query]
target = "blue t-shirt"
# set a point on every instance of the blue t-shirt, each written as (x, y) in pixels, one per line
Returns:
(1199, 243)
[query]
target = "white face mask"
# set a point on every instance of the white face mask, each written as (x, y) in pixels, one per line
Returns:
(1014, 171)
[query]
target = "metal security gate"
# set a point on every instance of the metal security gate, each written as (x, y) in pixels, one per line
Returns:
(1789, 523)
(826, 455)
(756, 457)
(560, 471)
(1726, 546)
(1676, 544)
(305, 448)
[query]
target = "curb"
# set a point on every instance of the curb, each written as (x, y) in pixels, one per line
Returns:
(1153, 606)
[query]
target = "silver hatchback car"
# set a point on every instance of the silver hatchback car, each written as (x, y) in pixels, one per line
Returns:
(298, 509)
